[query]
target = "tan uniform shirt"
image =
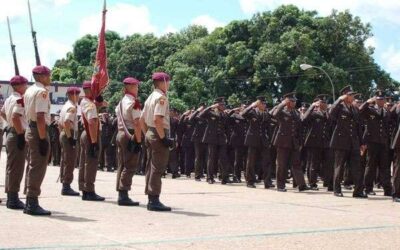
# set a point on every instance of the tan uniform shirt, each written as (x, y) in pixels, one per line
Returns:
(156, 104)
(37, 100)
(129, 114)
(69, 113)
(89, 110)
(13, 105)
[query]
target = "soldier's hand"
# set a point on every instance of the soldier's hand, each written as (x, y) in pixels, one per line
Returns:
(167, 142)
(254, 104)
(21, 141)
(371, 100)
(215, 106)
(93, 150)
(343, 97)
(71, 141)
(43, 147)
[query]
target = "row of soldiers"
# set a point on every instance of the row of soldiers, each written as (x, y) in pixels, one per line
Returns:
(213, 140)
(27, 112)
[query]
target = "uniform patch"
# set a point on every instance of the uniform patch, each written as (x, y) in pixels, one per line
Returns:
(44, 95)
(162, 101)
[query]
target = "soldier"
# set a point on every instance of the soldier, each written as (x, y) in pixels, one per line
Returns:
(106, 133)
(187, 143)
(89, 146)
(68, 125)
(345, 142)
(200, 148)
(37, 111)
(257, 141)
(395, 145)
(129, 140)
(287, 143)
(155, 123)
(173, 163)
(237, 138)
(216, 139)
(13, 112)
(316, 142)
(54, 134)
(376, 138)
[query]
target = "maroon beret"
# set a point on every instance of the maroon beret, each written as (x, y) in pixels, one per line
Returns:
(131, 81)
(41, 70)
(72, 90)
(87, 85)
(16, 80)
(160, 76)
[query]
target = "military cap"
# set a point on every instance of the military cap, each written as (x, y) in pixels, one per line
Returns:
(219, 100)
(131, 81)
(323, 98)
(261, 98)
(87, 85)
(16, 80)
(291, 96)
(73, 90)
(358, 97)
(305, 105)
(348, 90)
(41, 70)
(160, 76)
(389, 99)
(379, 94)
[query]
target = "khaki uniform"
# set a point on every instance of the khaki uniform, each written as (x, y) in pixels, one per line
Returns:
(87, 164)
(128, 161)
(15, 156)
(158, 154)
(68, 152)
(36, 99)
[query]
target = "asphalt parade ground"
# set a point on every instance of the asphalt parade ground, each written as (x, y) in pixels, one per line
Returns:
(204, 217)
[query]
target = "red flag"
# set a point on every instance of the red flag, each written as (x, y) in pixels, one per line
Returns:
(100, 74)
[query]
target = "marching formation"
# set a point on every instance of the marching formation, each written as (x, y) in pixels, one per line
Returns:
(349, 144)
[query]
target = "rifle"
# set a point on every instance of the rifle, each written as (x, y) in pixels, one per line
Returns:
(14, 54)
(34, 37)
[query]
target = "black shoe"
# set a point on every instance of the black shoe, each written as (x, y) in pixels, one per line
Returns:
(68, 191)
(13, 201)
(189, 176)
(210, 181)
(330, 189)
(175, 175)
(281, 190)
(396, 199)
(388, 193)
(155, 205)
(348, 187)
(226, 181)
(304, 188)
(32, 207)
(338, 194)
(92, 196)
(237, 180)
(197, 179)
(124, 200)
(371, 193)
(268, 185)
(251, 185)
(110, 169)
(314, 187)
(360, 195)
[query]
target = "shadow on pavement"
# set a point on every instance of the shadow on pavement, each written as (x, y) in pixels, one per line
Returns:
(191, 214)
(62, 216)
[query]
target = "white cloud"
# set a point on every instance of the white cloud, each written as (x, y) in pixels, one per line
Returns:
(371, 42)
(169, 29)
(368, 9)
(208, 22)
(126, 19)
(391, 61)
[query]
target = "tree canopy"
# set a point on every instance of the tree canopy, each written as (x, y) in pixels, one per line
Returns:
(240, 61)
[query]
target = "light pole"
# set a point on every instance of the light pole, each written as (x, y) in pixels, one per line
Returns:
(308, 66)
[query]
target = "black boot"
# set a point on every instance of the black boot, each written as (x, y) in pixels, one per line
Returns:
(13, 201)
(155, 204)
(226, 181)
(361, 195)
(32, 207)
(91, 196)
(396, 199)
(68, 191)
(124, 200)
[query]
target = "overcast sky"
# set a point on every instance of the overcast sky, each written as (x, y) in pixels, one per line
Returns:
(60, 22)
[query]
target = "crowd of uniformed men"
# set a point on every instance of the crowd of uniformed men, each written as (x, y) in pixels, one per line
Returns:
(350, 143)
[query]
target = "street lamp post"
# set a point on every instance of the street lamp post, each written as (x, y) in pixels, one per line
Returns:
(308, 66)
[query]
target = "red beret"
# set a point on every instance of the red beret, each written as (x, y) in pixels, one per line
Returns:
(160, 76)
(131, 81)
(41, 70)
(86, 85)
(16, 80)
(72, 90)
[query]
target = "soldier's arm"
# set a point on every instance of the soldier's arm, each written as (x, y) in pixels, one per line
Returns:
(143, 124)
(247, 112)
(205, 113)
(16, 119)
(193, 116)
(138, 130)
(41, 124)
(93, 129)
(335, 109)
(68, 125)
(159, 123)
(307, 115)
(278, 110)
(3, 113)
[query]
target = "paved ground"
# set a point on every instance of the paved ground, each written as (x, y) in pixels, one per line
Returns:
(204, 217)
